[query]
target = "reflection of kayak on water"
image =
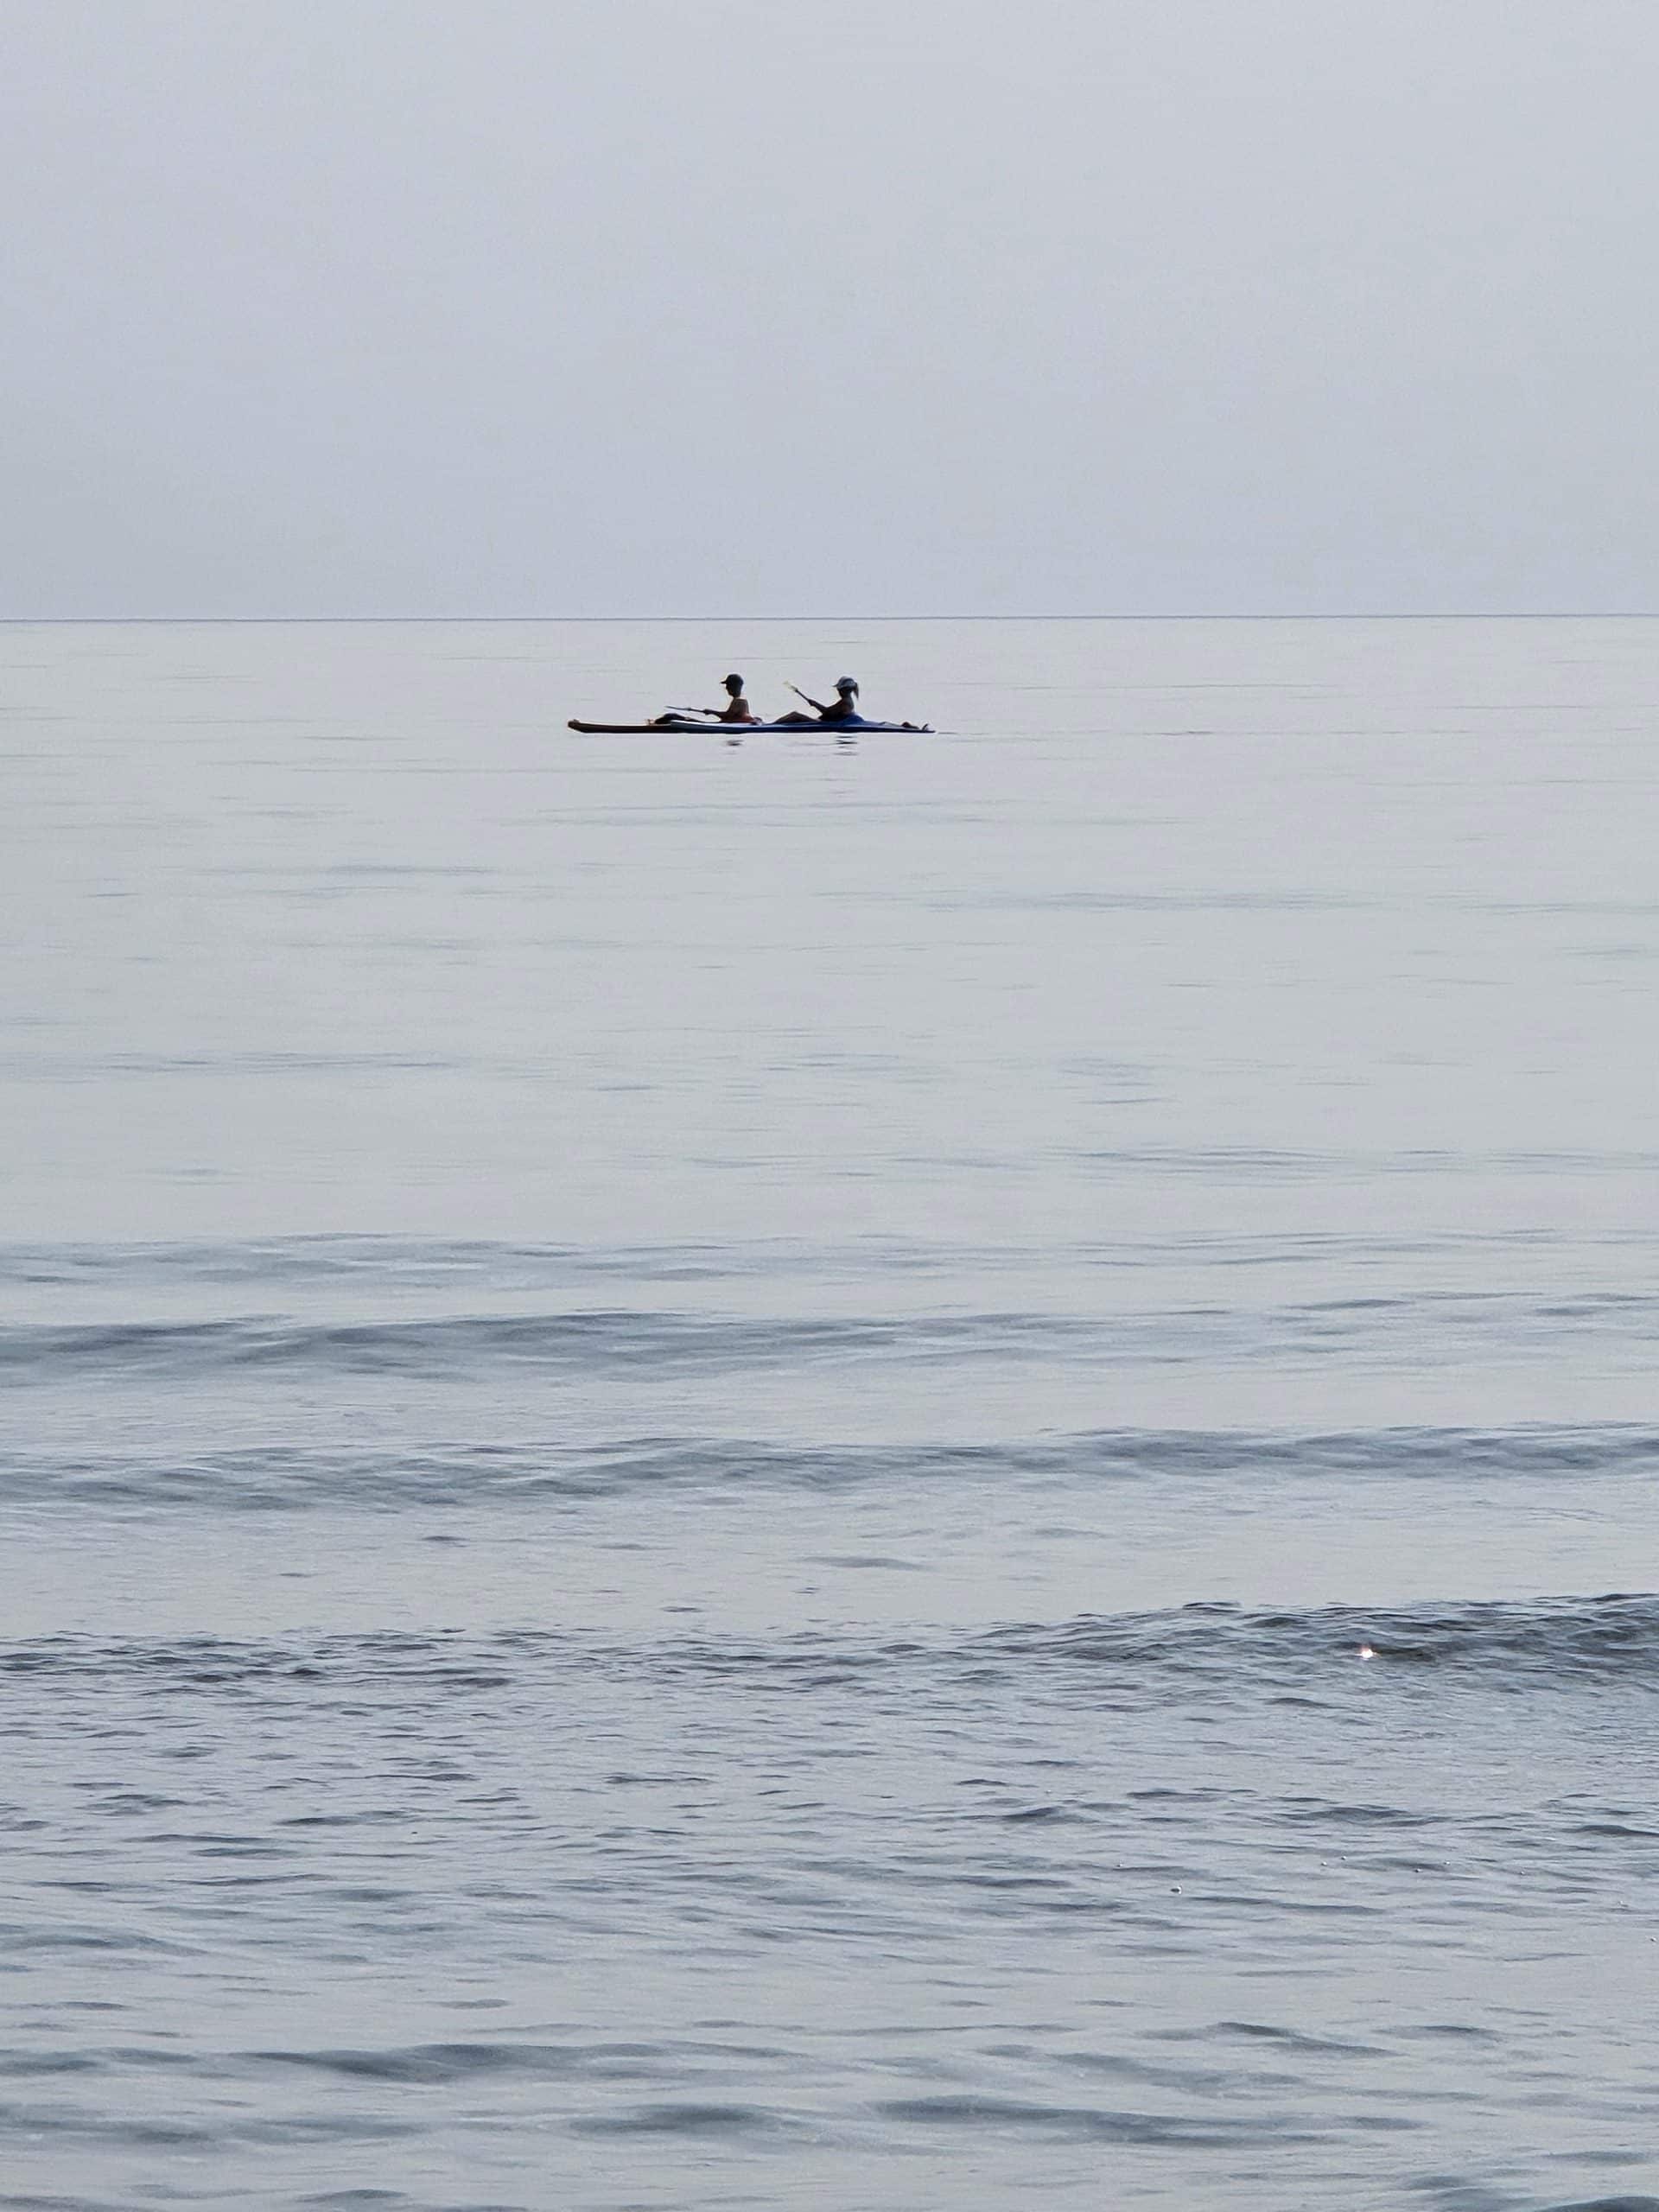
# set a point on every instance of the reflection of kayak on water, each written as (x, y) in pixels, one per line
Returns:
(677, 722)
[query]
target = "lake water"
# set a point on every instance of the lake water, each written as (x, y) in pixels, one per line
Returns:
(894, 1477)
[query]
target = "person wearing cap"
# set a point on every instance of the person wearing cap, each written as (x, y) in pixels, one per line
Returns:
(736, 709)
(844, 707)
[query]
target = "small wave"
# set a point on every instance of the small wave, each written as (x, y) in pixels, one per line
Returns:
(1431, 1328)
(590, 1339)
(389, 1264)
(522, 1475)
(399, 1264)
(433, 2064)
(1568, 1639)
(702, 2121)
(1090, 2123)
(1561, 1641)
(1610, 2204)
(1266, 1163)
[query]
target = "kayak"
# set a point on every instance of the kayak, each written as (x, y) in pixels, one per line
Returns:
(792, 729)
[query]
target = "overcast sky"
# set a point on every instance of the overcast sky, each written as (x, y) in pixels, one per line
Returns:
(596, 307)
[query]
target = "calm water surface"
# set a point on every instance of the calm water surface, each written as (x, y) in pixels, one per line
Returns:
(888, 1477)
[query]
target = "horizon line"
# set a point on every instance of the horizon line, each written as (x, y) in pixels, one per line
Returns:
(231, 622)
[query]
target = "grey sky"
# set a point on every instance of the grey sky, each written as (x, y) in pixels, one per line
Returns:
(367, 307)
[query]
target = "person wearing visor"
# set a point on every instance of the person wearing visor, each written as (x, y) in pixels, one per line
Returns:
(844, 707)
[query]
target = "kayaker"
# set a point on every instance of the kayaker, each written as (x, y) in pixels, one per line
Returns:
(736, 709)
(844, 707)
